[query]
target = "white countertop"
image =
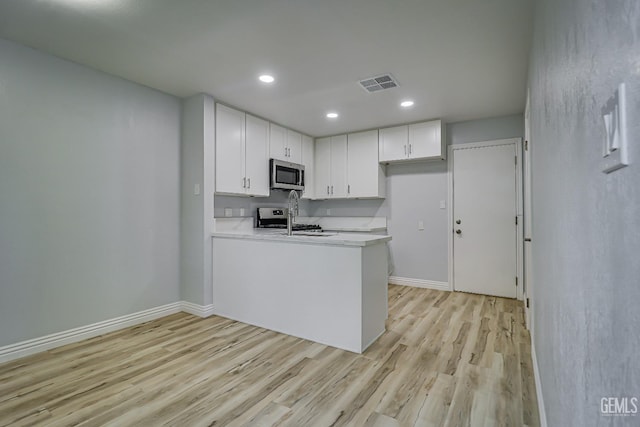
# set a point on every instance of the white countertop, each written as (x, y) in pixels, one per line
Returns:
(331, 239)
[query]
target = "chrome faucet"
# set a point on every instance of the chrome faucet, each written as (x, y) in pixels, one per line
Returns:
(293, 210)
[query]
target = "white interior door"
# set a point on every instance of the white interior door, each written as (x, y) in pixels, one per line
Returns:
(484, 213)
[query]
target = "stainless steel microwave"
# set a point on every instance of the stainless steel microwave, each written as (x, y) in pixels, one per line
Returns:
(286, 175)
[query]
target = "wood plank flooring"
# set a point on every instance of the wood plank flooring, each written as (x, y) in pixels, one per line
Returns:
(447, 359)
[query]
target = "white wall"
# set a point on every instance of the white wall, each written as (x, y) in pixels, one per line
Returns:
(586, 224)
(89, 195)
(414, 192)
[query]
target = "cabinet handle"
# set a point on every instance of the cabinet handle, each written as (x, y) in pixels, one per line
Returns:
(328, 189)
(285, 151)
(288, 152)
(244, 182)
(248, 182)
(405, 149)
(332, 190)
(348, 188)
(409, 149)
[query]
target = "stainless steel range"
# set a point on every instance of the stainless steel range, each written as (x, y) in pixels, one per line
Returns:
(277, 218)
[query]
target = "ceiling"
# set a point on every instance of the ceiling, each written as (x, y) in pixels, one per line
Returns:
(457, 59)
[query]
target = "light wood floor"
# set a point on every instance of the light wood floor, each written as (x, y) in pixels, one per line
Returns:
(447, 359)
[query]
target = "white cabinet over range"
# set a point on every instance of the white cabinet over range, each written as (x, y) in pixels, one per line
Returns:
(285, 144)
(244, 145)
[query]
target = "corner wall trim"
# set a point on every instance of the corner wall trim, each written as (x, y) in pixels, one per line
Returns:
(58, 339)
(536, 375)
(419, 283)
(197, 309)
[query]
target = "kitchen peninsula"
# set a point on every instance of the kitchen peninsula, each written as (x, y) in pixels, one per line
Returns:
(330, 288)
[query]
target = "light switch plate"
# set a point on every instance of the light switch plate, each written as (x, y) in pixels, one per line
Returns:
(614, 118)
(196, 190)
(443, 204)
(421, 225)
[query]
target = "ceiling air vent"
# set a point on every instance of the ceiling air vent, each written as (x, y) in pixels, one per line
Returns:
(378, 83)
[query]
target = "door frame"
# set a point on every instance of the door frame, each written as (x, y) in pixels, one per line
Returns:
(526, 187)
(519, 205)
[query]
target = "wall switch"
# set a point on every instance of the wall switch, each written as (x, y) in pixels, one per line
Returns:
(421, 225)
(443, 204)
(196, 190)
(241, 211)
(614, 118)
(228, 212)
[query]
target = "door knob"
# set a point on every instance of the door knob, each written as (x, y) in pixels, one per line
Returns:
(458, 221)
(458, 231)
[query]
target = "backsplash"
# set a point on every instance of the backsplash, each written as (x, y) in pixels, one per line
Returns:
(250, 204)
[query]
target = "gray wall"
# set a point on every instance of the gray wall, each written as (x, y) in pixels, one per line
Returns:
(414, 192)
(89, 195)
(586, 224)
(196, 210)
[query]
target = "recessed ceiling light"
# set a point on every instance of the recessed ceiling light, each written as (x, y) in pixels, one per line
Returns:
(406, 104)
(332, 115)
(266, 78)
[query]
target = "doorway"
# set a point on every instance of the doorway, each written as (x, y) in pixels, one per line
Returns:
(484, 233)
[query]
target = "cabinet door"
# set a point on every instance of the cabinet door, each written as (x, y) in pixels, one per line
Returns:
(363, 168)
(229, 150)
(424, 140)
(323, 168)
(393, 144)
(339, 166)
(278, 142)
(294, 146)
(257, 156)
(308, 160)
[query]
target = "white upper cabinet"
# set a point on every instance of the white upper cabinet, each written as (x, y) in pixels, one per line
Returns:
(242, 153)
(366, 177)
(323, 168)
(256, 156)
(394, 143)
(419, 141)
(346, 166)
(294, 146)
(278, 142)
(425, 140)
(285, 144)
(308, 160)
(230, 163)
(339, 166)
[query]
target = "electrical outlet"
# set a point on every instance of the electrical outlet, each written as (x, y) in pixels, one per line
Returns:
(241, 211)
(328, 212)
(421, 225)
(443, 204)
(228, 212)
(196, 190)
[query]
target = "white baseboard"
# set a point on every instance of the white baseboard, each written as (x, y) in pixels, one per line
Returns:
(419, 283)
(536, 375)
(196, 309)
(36, 345)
